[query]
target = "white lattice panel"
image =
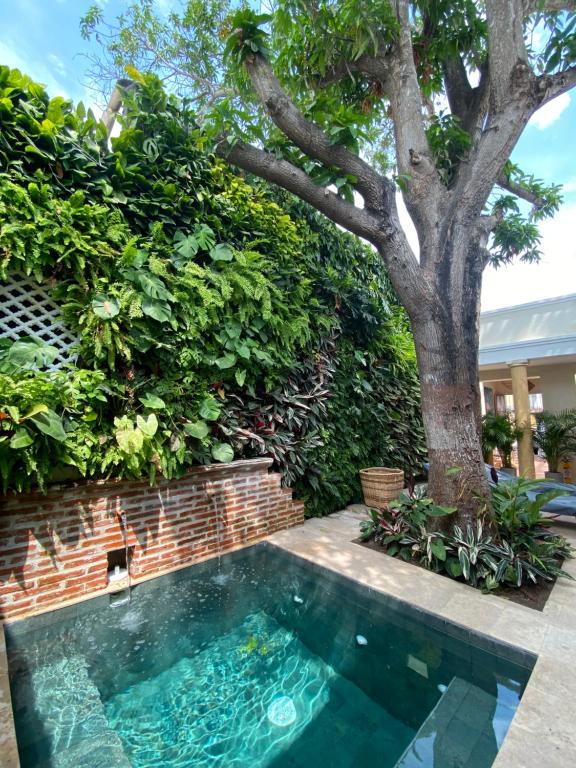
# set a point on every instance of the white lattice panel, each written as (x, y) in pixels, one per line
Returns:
(26, 309)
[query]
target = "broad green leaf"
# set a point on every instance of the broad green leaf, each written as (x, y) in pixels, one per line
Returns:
(21, 439)
(435, 511)
(148, 426)
(153, 286)
(130, 440)
(197, 429)
(438, 549)
(209, 410)
(240, 377)
(222, 452)
(153, 402)
(157, 310)
(221, 252)
(105, 307)
(244, 351)
(226, 361)
(51, 424)
(205, 236)
(40, 408)
(186, 246)
(27, 354)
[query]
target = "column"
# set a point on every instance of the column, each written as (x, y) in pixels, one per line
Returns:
(482, 400)
(519, 373)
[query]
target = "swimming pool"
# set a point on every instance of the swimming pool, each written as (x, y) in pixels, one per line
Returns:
(259, 659)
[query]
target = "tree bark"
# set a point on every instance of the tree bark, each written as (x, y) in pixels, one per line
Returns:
(446, 336)
(451, 415)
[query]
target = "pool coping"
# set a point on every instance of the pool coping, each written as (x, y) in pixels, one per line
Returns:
(542, 731)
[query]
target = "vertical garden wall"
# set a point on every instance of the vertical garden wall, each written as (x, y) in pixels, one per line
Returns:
(214, 317)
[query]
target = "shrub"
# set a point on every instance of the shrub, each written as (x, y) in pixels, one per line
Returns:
(521, 550)
(215, 317)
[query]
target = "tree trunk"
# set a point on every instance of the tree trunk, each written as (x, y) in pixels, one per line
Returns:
(446, 335)
(451, 415)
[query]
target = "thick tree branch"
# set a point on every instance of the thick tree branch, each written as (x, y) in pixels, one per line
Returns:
(458, 89)
(548, 87)
(548, 6)
(284, 174)
(308, 136)
(115, 104)
(382, 230)
(520, 191)
(423, 190)
(506, 48)
(374, 66)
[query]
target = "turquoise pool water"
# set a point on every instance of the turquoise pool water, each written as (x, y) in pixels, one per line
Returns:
(257, 660)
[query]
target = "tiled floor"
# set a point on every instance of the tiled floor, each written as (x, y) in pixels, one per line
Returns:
(542, 734)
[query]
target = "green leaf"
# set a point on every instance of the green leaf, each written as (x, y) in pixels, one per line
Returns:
(221, 252)
(153, 402)
(153, 286)
(186, 246)
(226, 361)
(453, 471)
(105, 307)
(240, 377)
(244, 351)
(438, 549)
(130, 440)
(148, 426)
(435, 511)
(222, 452)
(40, 408)
(197, 429)
(51, 424)
(157, 310)
(209, 409)
(21, 439)
(205, 236)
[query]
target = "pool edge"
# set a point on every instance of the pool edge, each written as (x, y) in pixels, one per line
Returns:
(8, 745)
(542, 730)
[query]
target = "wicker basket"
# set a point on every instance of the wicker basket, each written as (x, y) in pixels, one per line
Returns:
(381, 485)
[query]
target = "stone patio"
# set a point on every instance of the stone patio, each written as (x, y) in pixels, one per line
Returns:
(542, 733)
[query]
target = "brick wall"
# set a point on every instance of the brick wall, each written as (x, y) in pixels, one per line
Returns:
(53, 547)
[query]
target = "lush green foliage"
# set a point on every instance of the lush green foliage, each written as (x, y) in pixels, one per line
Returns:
(214, 317)
(521, 550)
(555, 436)
(310, 42)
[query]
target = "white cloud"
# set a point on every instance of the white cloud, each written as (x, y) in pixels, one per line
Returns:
(555, 275)
(57, 64)
(569, 186)
(550, 112)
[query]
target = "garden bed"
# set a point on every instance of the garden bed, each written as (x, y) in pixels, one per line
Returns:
(532, 596)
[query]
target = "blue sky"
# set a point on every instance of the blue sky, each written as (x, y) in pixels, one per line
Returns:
(42, 38)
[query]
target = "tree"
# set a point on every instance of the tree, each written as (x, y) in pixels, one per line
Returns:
(342, 102)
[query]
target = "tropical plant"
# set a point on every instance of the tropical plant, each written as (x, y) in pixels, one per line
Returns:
(521, 550)
(499, 431)
(555, 436)
(214, 317)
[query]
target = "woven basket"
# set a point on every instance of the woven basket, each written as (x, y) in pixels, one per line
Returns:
(381, 485)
